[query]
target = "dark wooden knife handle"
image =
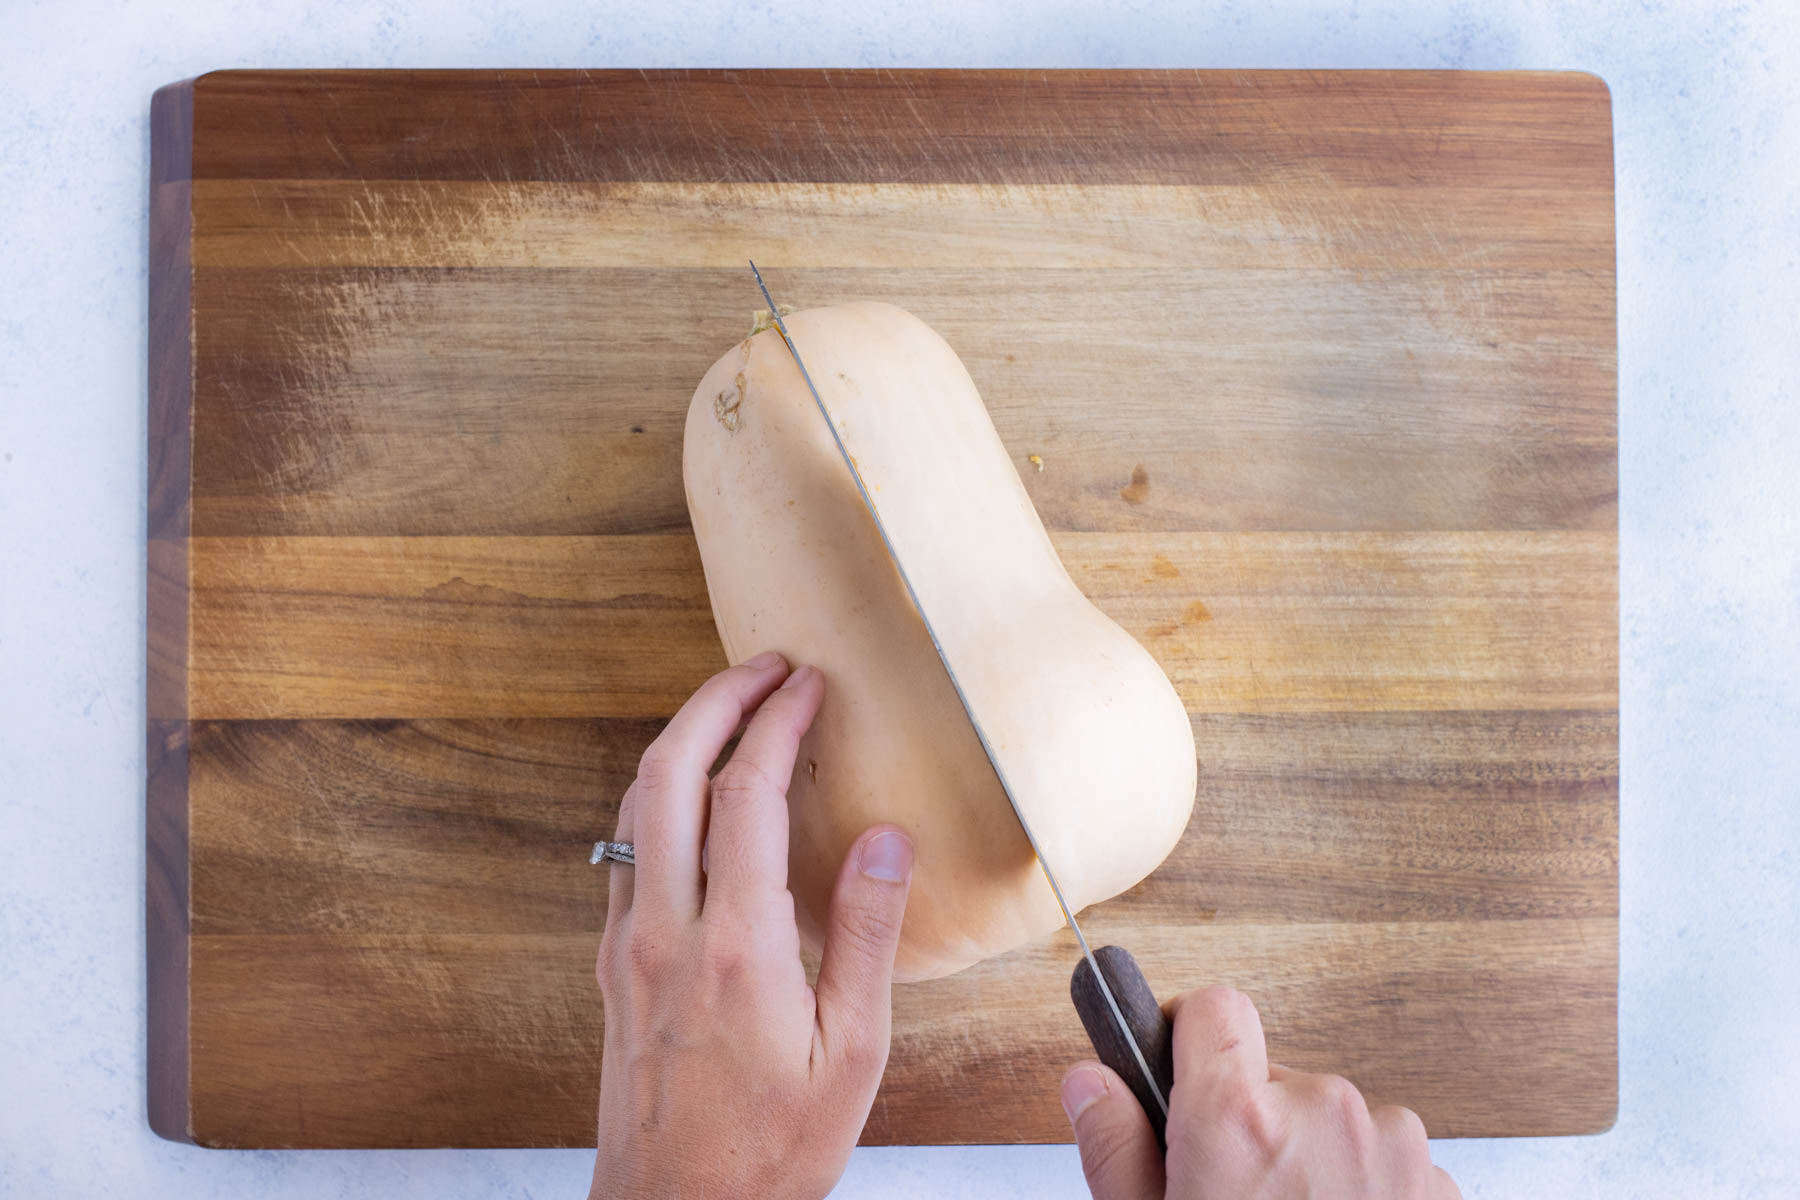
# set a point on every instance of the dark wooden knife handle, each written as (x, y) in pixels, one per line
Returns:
(1142, 1013)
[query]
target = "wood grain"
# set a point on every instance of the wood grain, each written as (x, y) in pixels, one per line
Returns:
(620, 625)
(367, 826)
(495, 1039)
(935, 226)
(1388, 128)
(386, 401)
(1311, 375)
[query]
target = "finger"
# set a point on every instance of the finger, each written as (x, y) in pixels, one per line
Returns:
(619, 875)
(747, 827)
(669, 810)
(856, 966)
(1119, 1154)
(1220, 1058)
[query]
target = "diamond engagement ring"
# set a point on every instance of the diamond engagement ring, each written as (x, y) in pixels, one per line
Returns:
(619, 852)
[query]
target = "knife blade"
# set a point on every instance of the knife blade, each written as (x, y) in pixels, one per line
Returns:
(1106, 977)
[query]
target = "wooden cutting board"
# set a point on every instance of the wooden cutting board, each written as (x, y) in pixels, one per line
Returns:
(1312, 377)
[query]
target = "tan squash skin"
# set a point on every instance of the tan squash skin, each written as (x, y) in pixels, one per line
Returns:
(1085, 724)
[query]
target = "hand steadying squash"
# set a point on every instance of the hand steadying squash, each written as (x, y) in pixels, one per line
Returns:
(724, 1073)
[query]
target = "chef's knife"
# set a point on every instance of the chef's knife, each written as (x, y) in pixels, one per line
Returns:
(1116, 1006)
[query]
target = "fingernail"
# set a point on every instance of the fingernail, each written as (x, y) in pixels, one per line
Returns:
(763, 661)
(887, 856)
(1083, 1086)
(797, 678)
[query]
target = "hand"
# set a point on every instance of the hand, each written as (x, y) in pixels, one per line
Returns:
(1242, 1127)
(724, 1073)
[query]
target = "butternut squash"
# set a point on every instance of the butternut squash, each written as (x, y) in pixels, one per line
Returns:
(1087, 727)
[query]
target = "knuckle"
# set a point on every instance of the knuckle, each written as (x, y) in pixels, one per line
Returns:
(647, 956)
(871, 928)
(1347, 1096)
(1340, 1096)
(788, 708)
(726, 950)
(1235, 1002)
(1402, 1125)
(1217, 1020)
(1343, 1106)
(740, 784)
(1225, 1001)
(655, 769)
(1225, 1007)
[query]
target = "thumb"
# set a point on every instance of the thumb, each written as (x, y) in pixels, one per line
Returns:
(862, 935)
(1119, 1154)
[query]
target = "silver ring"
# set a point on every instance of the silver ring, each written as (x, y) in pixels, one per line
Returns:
(619, 852)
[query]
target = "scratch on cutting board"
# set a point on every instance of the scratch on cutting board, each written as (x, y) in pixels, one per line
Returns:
(338, 150)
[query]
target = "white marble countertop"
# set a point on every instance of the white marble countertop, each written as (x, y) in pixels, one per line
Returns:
(1707, 120)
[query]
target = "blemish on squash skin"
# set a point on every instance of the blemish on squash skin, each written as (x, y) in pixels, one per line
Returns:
(1162, 568)
(1139, 487)
(726, 405)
